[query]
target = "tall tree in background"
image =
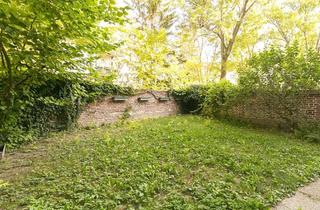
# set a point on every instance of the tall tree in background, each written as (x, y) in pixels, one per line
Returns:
(152, 14)
(192, 41)
(222, 18)
(197, 54)
(295, 20)
(147, 51)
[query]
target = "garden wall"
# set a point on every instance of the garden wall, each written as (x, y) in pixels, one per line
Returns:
(254, 110)
(146, 104)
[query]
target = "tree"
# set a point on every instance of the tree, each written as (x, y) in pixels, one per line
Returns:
(295, 21)
(41, 38)
(152, 14)
(223, 19)
(147, 51)
(196, 54)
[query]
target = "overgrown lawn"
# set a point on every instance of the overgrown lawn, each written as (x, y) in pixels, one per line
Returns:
(183, 162)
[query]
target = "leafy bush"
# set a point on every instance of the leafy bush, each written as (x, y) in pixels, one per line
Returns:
(309, 131)
(219, 97)
(190, 99)
(50, 105)
(280, 78)
(209, 100)
(40, 44)
(282, 71)
(96, 90)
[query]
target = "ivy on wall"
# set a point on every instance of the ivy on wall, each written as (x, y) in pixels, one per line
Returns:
(52, 105)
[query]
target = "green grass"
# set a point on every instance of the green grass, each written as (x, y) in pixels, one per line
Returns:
(184, 162)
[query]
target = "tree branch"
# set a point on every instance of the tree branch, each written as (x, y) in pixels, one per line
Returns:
(238, 24)
(8, 64)
(318, 42)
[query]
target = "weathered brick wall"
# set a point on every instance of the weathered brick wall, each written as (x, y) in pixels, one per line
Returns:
(311, 106)
(255, 111)
(108, 111)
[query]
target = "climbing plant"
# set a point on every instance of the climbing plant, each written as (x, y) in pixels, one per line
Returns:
(44, 41)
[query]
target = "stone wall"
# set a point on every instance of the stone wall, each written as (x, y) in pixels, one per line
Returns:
(107, 110)
(255, 111)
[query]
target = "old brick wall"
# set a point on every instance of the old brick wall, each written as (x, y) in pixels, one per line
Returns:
(108, 111)
(253, 110)
(311, 106)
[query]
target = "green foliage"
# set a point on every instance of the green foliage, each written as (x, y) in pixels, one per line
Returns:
(210, 100)
(309, 131)
(281, 78)
(219, 98)
(220, 21)
(277, 79)
(126, 114)
(94, 90)
(52, 105)
(170, 44)
(185, 162)
(149, 57)
(282, 71)
(190, 99)
(148, 50)
(41, 37)
(294, 21)
(41, 43)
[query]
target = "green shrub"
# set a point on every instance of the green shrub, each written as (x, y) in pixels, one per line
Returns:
(309, 131)
(219, 97)
(96, 90)
(53, 104)
(210, 100)
(190, 99)
(280, 77)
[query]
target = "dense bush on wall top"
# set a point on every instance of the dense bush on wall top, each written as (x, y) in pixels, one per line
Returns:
(190, 99)
(209, 100)
(281, 77)
(220, 97)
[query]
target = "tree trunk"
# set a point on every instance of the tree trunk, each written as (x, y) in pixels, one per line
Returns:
(7, 65)
(223, 64)
(223, 68)
(226, 46)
